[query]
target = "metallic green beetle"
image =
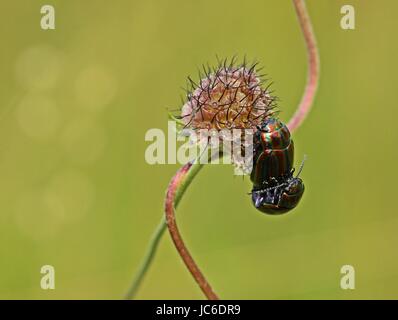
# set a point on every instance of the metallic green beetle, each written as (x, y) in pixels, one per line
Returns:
(275, 189)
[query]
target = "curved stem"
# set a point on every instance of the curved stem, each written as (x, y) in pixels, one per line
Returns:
(185, 175)
(157, 235)
(313, 66)
(176, 236)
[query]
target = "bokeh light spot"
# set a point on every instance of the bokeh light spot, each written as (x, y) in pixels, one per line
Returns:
(95, 87)
(33, 217)
(84, 140)
(38, 67)
(69, 194)
(38, 117)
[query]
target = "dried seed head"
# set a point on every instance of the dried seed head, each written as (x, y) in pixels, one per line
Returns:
(228, 97)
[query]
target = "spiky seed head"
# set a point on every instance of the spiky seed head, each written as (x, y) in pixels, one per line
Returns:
(228, 97)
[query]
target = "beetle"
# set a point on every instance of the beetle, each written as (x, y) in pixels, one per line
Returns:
(275, 189)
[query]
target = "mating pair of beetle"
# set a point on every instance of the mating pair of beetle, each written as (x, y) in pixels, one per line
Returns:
(275, 189)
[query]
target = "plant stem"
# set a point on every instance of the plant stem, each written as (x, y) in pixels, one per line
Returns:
(174, 185)
(157, 235)
(146, 262)
(313, 66)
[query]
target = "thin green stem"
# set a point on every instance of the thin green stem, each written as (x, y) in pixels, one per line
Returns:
(157, 235)
(147, 260)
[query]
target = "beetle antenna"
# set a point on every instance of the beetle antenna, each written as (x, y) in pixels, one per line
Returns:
(301, 166)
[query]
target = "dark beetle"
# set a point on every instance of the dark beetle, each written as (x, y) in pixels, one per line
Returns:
(275, 189)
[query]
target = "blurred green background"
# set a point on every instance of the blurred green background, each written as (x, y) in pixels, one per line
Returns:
(76, 192)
